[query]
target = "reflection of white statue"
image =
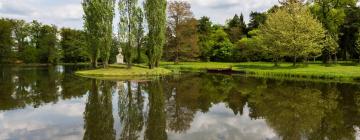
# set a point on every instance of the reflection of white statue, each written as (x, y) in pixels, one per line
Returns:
(120, 57)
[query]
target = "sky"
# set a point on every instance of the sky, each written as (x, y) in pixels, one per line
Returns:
(68, 13)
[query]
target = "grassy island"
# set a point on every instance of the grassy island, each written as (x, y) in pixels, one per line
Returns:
(121, 72)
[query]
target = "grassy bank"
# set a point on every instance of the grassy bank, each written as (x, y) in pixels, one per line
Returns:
(338, 72)
(286, 70)
(121, 72)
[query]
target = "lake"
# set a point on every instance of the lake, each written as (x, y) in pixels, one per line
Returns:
(43, 103)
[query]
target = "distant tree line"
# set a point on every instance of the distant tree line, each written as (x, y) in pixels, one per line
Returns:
(295, 30)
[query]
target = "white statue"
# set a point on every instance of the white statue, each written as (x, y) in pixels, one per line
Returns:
(120, 57)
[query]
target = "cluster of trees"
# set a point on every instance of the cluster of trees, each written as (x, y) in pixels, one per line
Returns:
(295, 31)
(34, 42)
(28, 42)
(292, 31)
(99, 15)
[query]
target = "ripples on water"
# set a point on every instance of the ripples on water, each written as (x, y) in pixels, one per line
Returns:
(41, 103)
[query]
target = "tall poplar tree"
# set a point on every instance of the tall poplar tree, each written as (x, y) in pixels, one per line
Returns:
(155, 12)
(98, 16)
(139, 34)
(128, 27)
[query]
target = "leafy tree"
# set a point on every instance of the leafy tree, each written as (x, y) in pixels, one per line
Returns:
(139, 35)
(331, 13)
(204, 30)
(187, 42)
(250, 49)
(6, 41)
(98, 17)
(155, 12)
(256, 19)
(183, 27)
(48, 51)
(236, 28)
(221, 46)
(108, 13)
(73, 45)
(128, 27)
(348, 34)
(292, 31)
(330, 47)
(21, 33)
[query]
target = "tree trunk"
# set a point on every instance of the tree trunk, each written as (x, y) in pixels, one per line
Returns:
(157, 64)
(359, 59)
(94, 62)
(335, 59)
(294, 63)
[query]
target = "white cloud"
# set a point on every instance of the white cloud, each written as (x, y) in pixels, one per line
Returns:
(69, 12)
(221, 123)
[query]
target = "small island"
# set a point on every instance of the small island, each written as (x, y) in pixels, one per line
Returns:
(122, 72)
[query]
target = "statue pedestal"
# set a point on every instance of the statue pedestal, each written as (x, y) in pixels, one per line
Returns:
(120, 57)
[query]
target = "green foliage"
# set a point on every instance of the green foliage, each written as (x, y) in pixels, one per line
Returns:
(256, 19)
(236, 28)
(221, 46)
(155, 13)
(250, 49)
(292, 31)
(73, 45)
(348, 34)
(48, 49)
(6, 41)
(98, 16)
(128, 27)
(204, 29)
(29, 55)
(21, 32)
(139, 35)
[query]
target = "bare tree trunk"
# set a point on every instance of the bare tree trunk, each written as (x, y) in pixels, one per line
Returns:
(294, 63)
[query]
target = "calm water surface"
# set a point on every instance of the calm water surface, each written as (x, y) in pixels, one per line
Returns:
(43, 103)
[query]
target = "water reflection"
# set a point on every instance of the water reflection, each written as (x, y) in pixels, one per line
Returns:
(190, 106)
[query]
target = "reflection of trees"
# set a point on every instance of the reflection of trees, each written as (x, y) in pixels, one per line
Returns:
(339, 121)
(292, 111)
(36, 86)
(74, 86)
(7, 88)
(99, 120)
(156, 121)
(131, 112)
(181, 103)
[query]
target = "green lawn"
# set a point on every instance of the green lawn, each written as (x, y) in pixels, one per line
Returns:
(319, 71)
(341, 71)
